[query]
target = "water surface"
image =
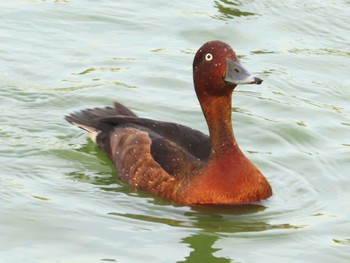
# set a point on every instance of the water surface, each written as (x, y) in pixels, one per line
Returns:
(60, 199)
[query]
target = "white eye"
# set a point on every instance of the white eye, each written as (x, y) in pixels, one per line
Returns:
(208, 57)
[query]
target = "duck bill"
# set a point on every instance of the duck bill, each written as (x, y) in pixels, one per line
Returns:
(237, 74)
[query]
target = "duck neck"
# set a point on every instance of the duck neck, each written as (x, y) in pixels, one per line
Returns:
(217, 112)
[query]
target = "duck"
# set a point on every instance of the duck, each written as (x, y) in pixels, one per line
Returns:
(174, 161)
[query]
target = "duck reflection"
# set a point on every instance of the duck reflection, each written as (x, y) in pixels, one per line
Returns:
(229, 9)
(209, 225)
(203, 251)
(213, 222)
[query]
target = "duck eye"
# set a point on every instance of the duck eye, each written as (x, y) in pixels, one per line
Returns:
(208, 57)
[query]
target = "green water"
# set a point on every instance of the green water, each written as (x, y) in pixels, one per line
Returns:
(60, 199)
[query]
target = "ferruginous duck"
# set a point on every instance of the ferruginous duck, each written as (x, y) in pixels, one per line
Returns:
(174, 161)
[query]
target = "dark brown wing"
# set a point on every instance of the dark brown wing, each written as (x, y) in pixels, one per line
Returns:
(178, 149)
(193, 141)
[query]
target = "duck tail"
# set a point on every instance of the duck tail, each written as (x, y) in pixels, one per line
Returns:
(89, 120)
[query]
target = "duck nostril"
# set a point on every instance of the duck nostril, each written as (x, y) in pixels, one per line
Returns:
(237, 70)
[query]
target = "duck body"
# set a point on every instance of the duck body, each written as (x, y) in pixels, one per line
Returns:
(174, 161)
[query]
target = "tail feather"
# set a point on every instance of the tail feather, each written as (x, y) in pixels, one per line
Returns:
(122, 110)
(89, 119)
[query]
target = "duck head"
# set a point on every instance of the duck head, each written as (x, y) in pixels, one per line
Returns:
(217, 70)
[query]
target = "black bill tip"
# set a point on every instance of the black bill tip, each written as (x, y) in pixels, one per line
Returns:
(258, 80)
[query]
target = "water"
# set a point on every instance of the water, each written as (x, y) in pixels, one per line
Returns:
(60, 199)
